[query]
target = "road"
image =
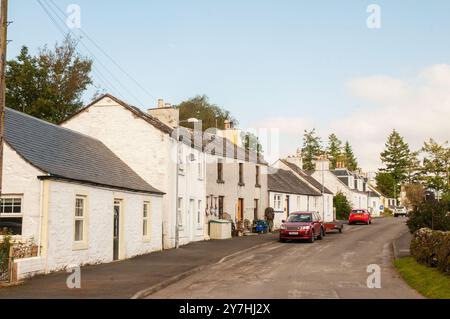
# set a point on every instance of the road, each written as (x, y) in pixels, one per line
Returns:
(335, 267)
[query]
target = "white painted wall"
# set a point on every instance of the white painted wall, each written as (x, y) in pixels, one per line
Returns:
(232, 191)
(323, 204)
(150, 153)
(20, 178)
(100, 207)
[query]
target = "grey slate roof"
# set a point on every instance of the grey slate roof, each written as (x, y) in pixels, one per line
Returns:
(284, 181)
(64, 154)
(311, 180)
(198, 143)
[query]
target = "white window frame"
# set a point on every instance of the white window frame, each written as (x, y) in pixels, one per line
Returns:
(13, 215)
(180, 212)
(199, 211)
(146, 220)
(277, 202)
(81, 244)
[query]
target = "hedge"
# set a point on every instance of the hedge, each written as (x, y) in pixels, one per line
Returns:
(432, 248)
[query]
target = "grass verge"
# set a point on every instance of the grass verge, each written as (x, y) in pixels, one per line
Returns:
(430, 282)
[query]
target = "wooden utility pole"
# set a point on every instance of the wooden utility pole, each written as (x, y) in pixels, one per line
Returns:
(3, 47)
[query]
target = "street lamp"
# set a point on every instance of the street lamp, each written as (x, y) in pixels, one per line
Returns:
(177, 216)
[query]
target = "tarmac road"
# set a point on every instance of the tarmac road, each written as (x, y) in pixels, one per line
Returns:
(335, 267)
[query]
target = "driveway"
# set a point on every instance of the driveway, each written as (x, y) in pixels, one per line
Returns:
(335, 267)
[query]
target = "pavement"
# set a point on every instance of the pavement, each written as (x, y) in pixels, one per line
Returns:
(338, 267)
(134, 277)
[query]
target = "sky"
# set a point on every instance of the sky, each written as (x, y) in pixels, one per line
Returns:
(284, 65)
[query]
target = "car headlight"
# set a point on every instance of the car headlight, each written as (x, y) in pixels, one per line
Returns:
(305, 227)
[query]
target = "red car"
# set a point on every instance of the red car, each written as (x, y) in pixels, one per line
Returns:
(360, 216)
(302, 225)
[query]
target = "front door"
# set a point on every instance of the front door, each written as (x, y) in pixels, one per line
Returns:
(116, 231)
(191, 219)
(240, 212)
(287, 206)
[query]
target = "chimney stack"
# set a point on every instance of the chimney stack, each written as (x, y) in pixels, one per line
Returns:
(227, 124)
(165, 113)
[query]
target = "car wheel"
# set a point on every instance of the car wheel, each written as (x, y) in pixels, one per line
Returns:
(312, 239)
(282, 240)
(320, 236)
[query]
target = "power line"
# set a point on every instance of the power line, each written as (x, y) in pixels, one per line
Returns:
(94, 57)
(107, 55)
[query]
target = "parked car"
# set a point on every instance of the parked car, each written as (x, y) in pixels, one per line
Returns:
(260, 227)
(302, 225)
(360, 216)
(400, 211)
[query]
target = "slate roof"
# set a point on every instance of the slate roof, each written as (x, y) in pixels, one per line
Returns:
(284, 181)
(65, 154)
(199, 143)
(311, 180)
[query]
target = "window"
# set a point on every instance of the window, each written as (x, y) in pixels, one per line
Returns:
(199, 212)
(179, 210)
(258, 180)
(220, 171)
(221, 201)
(80, 219)
(299, 202)
(200, 169)
(146, 220)
(241, 174)
(11, 215)
(277, 202)
(180, 161)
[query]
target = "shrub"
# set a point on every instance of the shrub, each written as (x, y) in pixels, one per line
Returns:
(342, 206)
(432, 248)
(432, 214)
(5, 246)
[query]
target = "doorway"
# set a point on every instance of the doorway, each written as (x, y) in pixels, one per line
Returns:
(116, 230)
(240, 210)
(287, 206)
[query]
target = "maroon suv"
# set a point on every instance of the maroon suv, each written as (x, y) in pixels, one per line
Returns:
(302, 225)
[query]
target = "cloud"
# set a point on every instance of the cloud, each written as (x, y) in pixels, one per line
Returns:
(417, 107)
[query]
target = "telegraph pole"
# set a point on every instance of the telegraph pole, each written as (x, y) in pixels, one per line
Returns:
(3, 48)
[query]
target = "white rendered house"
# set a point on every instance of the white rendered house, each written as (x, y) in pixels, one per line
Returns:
(73, 198)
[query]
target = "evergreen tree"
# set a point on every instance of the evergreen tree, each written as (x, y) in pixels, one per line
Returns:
(397, 159)
(311, 149)
(386, 184)
(436, 165)
(350, 159)
(334, 150)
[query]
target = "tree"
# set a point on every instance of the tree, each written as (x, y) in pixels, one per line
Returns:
(386, 184)
(342, 205)
(211, 115)
(414, 169)
(334, 150)
(311, 150)
(397, 159)
(436, 165)
(350, 160)
(49, 85)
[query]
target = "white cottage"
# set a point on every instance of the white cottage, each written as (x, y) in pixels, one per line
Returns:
(325, 202)
(147, 142)
(352, 185)
(288, 194)
(236, 181)
(73, 198)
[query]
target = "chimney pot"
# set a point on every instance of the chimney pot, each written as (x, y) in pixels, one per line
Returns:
(160, 103)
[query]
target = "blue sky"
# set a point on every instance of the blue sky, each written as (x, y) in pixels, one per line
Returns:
(259, 59)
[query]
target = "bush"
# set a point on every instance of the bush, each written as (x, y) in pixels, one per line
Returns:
(5, 247)
(432, 214)
(387, 212)
(432, 248)
(342, 206)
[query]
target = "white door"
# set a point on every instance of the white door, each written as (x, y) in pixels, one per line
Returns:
(191, 219)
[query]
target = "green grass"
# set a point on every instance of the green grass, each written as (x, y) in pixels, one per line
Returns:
(430, 282)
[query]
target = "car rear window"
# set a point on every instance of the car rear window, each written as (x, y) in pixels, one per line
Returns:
(300, 218)
(358, 211)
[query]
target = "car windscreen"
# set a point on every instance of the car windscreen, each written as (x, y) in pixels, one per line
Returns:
(300, 218)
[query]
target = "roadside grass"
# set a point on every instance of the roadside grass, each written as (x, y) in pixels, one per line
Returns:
(430, 282)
